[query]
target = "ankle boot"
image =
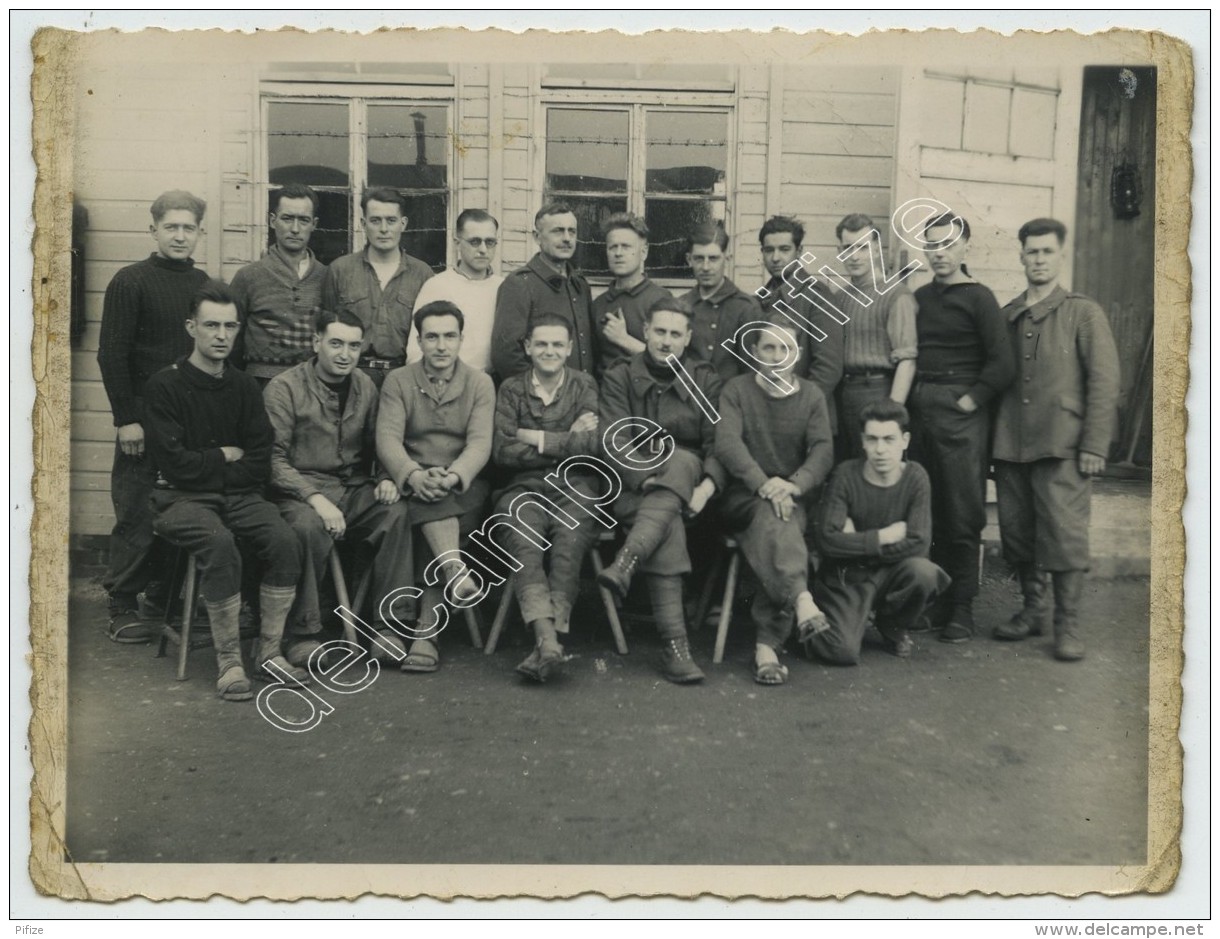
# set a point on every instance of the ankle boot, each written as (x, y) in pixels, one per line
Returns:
(617, 577)
(275, 603)
(232, 683)
(1031, 619)
(656, 513)
(677, 665)
(1069, 647)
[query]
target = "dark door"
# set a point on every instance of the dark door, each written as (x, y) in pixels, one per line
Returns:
(1115, 236)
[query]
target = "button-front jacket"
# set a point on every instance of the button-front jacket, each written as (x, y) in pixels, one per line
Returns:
(351, 284)
(538, 288)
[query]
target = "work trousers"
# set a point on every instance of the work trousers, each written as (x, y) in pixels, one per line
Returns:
(133, 564)
(953, 447)
(847, 594)
(386, 529)
(548, 572)
(207, 524)
(776, 553)
(855, 394)
(1044, 514)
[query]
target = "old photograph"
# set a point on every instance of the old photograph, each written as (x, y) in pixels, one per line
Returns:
(474, 465)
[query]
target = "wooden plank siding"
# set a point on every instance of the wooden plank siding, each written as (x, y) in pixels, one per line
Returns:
(838, 140)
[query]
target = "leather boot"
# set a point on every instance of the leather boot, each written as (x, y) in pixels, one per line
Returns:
(656, 513)
(232, 683)
(275, 603)
(1069, 647)
(1030, 620)
(677, 665)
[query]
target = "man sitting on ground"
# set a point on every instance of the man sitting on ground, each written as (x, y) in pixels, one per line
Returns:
(324, 412)
(777, 447)
(653, 503)
(211, 441)
(543, 416)
(874, 531)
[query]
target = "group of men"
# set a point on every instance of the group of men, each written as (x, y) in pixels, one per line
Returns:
(304, 404)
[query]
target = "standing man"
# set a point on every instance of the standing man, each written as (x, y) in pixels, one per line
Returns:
(324, 414)
(821, 362)
(547, 284)
(543, 416)
(280, 293)
(964, 363)
(880, 340)
(619, 313)
(777, 448)
(210, 440)
(471, 285)
(379, 284)
(873, 531)
(717, 307)
(655, 503)
(1053, 435)
(142, 316)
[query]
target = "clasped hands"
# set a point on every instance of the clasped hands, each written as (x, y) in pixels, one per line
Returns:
(782, 494)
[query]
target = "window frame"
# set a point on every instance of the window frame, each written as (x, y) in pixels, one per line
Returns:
(637, 104)
(357, 97)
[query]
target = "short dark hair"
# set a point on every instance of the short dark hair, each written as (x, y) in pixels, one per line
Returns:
(778, 224)
(1043, 226)
(773, 318)
(667, 305)
(546, 319)
(706, 235)
(554, 207)
(948, 218)
(214, 291)
(885, 411)
(625, 220)
(178, 199)
(295, 191)
(854, 222)
(474, 215)
(383, 194)
(342, 316)
(437, 308)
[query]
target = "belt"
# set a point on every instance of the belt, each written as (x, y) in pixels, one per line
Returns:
(946, 378)
(370, 362)
(866, 374)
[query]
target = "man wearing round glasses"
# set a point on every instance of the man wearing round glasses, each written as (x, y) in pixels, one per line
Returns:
(470, 284)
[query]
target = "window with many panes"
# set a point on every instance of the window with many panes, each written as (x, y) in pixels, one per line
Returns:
(343, 145)
(668, 164)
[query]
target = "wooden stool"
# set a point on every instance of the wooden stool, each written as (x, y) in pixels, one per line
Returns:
(726, 602)
(184, 583)
(609, 602)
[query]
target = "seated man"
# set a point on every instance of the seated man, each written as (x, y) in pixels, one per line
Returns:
(874, 531)
(777, 448)
(433, 438)
(210, 441)
(655, 502)
(544, 415)
(324, 413)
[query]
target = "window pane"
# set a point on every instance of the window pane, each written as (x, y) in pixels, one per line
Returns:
(332, 238)
(586, 151)
(427, 235)
(687, 151)
(408, 146)
(307, 143)
(670, 223)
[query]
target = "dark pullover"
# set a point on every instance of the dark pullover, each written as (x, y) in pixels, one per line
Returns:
(190, 415)
(963, 339)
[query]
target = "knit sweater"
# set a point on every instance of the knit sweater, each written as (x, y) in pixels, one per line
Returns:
(143, 328)
(190, 415)
(962, 333)
(278, 308)
(760, 436)
(420, 427)
(871, 508)
(477, 301)
(881, 333)
(821, 361)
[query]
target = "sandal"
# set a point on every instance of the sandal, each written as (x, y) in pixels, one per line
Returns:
(233, 685)
(133, 633)
(292, 676)
(539, 664)
(770, 673)
(422, 658)
(299, 651)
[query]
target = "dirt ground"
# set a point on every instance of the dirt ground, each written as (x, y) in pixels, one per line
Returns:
(981, 753)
